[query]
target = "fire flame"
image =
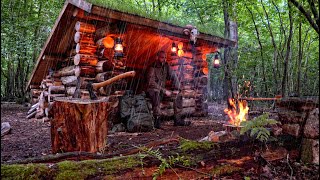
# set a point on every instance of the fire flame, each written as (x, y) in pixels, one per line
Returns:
(237, 115)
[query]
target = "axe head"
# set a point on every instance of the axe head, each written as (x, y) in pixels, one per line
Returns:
(93, 96)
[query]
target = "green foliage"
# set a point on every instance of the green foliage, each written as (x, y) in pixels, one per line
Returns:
(189, 145)
(257, 127)
(166, 162)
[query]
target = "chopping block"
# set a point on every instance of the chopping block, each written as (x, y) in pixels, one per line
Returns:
(79, 125)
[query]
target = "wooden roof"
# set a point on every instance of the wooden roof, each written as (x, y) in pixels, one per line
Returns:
(143, 37)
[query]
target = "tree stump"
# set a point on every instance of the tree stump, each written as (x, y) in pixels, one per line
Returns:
(79, 125)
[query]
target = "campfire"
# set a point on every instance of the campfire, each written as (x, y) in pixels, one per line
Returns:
(237, 112)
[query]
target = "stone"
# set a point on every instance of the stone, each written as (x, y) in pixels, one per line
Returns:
(310, 151)
(298, 104)
(287, 116)
(311, 129)
(291, 129)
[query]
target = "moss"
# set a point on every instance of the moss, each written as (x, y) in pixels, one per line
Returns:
(225, 169)
(188, 145)
(28, 171)
(69, 169)
(177, 20)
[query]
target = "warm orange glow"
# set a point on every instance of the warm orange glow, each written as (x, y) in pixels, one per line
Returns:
(180, 52)
(118, 48)
(205, 71)
(204, 57)
(237, 115)
(108, 42)
(180, 45)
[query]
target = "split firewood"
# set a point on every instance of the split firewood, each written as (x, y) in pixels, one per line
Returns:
(73, 80)
(84, 59)
(5, 128)
(105, 53)
(103, 66)
(84, 27)
(66, 71)
(86, 38)
(83, 48)
(70, 91)
(56, 90)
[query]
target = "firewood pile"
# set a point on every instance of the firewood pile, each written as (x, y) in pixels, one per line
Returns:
(89, 61)
(193, 84)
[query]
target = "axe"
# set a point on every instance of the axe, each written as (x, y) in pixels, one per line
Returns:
(95, 86)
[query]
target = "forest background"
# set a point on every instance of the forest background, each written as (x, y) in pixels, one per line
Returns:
(277, 49)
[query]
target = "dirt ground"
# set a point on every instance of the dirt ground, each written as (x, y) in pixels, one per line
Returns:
(31, 138)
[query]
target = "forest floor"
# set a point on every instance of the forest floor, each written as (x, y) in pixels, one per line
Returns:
(31, 138)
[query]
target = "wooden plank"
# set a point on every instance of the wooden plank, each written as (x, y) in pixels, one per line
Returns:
(46, 44)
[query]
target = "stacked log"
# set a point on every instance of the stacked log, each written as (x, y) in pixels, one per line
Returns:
(84, 65)
(200, 82)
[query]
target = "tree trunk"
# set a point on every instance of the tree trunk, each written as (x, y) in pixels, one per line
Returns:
(79, 125)
(299, 63)
(286, 61)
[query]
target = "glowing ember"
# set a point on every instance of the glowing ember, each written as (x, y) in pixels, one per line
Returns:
(237, 115)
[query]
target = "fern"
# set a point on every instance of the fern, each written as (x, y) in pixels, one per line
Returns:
(165, 163)
(257, 127)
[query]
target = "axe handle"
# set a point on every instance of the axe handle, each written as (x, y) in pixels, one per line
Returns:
(96, 86)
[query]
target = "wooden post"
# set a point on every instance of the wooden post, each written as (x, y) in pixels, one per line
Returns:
(79, 125)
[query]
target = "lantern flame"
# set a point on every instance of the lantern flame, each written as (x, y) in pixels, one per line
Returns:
(237, 115)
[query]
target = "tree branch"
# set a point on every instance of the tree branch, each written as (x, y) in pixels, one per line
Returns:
(306, 14)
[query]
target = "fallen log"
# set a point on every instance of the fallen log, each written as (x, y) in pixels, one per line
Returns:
(81, 155)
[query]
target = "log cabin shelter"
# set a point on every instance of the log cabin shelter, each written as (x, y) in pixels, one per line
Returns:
(141, 37)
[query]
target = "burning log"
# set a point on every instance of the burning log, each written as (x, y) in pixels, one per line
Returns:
(84, 59)
(84, 38)
(84, 27)
(237, 114)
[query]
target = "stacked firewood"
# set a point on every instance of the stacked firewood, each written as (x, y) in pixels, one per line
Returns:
(200, 82)
(91, 63)
(189, 70)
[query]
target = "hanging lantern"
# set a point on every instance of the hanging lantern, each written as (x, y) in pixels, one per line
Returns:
(118, 48)
(108, 42)
(180, 52)
(216, 61)
(174, 48)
